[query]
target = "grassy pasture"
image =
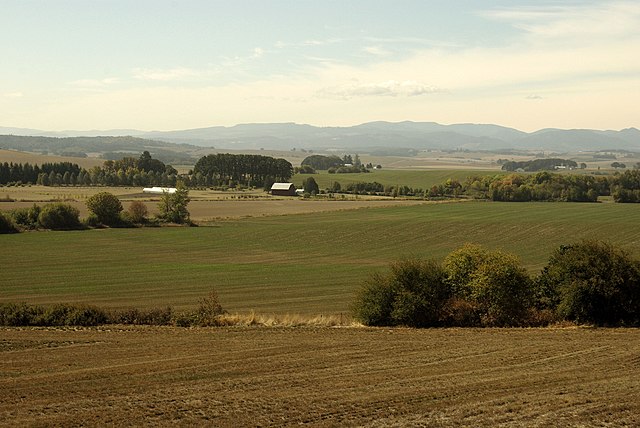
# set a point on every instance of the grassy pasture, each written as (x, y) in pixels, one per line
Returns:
(320, 377)
(307, 263)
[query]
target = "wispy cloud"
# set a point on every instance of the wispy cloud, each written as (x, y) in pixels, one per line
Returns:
(165, 75)
(308, 43)
(389, 88)
(13, 95)
(534, 97)
(610, 19)
(258, 52)
(376, 51)
(94, 83)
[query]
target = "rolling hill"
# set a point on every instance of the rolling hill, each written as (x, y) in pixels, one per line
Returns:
(371, 135)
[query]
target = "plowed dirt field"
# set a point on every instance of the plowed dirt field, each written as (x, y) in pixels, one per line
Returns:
(319, 376)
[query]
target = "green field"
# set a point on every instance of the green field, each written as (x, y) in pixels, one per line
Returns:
(423, 179)
(308, 263)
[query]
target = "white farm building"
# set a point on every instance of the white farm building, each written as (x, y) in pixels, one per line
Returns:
(159, 190)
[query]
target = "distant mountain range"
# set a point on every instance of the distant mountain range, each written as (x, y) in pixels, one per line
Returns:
(375, 136)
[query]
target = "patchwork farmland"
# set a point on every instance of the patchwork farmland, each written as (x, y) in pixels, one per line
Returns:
(302, 259)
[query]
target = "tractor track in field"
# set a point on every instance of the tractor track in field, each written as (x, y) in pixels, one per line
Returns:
(259, 376)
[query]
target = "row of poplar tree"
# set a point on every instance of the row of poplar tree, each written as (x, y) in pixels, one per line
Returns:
(212, 170)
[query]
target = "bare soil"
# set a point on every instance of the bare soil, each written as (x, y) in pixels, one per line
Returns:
(257, 376)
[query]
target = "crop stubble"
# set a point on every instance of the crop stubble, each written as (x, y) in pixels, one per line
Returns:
(322, 376)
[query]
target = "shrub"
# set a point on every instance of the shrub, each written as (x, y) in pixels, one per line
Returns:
(413, 293)
(18, 314)
(374, 302)
(6, 224)
(155, 316)
(185, 319)
(209, 309)
(92, 220)
(460, 266)
(460, 313)
(59, 216)
(593, 282)
(501, 288)
(106, 206)
(496, 287)
(138, 212)
(22, 314)
(493, 282)
(26, 217)
(86, 316)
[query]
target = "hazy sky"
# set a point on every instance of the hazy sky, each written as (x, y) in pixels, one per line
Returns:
(161, 65)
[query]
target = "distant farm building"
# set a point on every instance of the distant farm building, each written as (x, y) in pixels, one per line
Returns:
(159, 190)
(283, 189)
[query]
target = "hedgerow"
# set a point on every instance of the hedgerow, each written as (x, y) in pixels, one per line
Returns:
(208, 313)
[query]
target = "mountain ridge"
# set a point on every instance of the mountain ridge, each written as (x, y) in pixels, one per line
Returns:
(405, 134)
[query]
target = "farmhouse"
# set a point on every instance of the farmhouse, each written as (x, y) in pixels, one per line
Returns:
(283, 189)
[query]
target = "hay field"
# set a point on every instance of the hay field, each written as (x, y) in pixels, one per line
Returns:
(319, 377)
(305, 263)
(205, 205)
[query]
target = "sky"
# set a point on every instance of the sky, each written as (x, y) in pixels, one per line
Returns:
(182, 64)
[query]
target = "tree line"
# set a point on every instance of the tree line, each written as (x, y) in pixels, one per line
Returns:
(540, 165)
(246, 170)
(212, 170)
(129, 171)
(334, 164)
(541, 186)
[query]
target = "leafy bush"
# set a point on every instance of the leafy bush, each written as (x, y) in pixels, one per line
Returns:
(19, 314)
(106, 207)
(92, 220)
(22, 314)
(59, 216)
(593, 282)
(494, 282)
(26, 217)
(374, 302)
(472, 287)
(138, 212)
(460, 266)
(209, 309)
(502, 289)
(6, 224)
(413, 293)
(155, 316)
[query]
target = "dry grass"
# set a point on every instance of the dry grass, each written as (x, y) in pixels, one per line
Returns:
(287, 320)
(256, 376)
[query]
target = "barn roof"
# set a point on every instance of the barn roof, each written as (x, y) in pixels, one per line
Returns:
(281, 186)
